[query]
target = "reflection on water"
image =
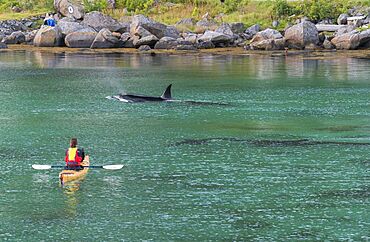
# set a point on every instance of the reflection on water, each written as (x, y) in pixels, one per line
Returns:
(261, 66)
(70, 191)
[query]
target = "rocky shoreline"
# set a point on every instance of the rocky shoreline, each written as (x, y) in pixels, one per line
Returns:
(95, 30)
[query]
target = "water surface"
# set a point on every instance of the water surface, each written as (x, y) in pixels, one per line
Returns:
(286, 159)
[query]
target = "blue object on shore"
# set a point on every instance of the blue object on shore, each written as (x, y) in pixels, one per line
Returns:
(50, 22)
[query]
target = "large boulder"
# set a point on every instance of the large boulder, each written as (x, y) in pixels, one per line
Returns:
(80, 39)
(251, 31)
(237, 28)
(155, 28)
(166, 43)
(348, 41)
(266, 34)
(268, 39)
(218, 39)
(68, 26)
(99, 21)
(300, 35)
(48, 36)
(105, 39)
(364, 37)
(15, 38)
(225, 29)
(69, 8)
(150, 40)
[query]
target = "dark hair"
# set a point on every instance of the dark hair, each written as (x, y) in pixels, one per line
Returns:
(73, 142)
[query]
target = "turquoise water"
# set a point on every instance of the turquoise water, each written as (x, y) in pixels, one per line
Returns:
(285, 159)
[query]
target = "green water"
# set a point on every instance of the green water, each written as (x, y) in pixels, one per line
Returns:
(286, 159)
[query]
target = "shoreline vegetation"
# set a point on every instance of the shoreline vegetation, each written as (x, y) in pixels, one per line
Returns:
(188, 25)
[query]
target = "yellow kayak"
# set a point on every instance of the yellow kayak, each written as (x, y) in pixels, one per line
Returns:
(72, 175)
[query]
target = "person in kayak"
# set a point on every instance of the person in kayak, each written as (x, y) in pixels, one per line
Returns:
(74, 156)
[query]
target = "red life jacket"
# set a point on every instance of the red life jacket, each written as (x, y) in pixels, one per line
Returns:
(73, 157)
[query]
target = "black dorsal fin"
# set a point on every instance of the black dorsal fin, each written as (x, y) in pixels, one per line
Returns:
(167, 93)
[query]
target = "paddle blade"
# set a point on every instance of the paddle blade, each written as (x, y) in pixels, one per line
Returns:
(41, 167)
(112, 167)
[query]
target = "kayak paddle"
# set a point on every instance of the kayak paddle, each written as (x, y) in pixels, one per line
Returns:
(48, 167)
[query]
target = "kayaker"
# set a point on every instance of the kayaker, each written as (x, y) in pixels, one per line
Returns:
(74, 156)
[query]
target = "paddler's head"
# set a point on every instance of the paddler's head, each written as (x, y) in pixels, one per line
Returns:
(73, 143)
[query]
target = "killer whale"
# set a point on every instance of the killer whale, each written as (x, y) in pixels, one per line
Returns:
(134, 98)
(165, 97)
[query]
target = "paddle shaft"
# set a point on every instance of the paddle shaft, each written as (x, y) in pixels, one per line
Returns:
(57, 166)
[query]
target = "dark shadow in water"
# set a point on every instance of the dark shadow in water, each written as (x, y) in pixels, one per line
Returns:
(267, 143)
(360, 193)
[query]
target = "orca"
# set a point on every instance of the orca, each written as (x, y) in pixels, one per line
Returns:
(165, 97)
(135, 98)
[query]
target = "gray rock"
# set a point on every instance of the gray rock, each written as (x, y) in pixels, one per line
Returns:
(158, 29)
(267, 34)
(364, 38)
(300, 35)
(69, 9)
(345, 29)
(225, 29)
(99, 21)
(30, 36)
(80, 39)
(48, 36)
(206, 45)
(130, 42)
(266, 44)
(125, 37)
(141, 32)
(9, 26)
(348, 41)
(171, 31)
(342, 19)
(166, 43)
(105, 39)
(3, 46)
(216, 38)
(251, 31)
(15, 38)
(186, 47)
(328, 45)
(192, 38)
(275, 23)
(237, 28)
(67, 27)
(328, 27)
(280, 44)
(144, 48)
(150, 40)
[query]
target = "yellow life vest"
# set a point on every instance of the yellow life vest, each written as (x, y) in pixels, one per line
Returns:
(72, 154)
